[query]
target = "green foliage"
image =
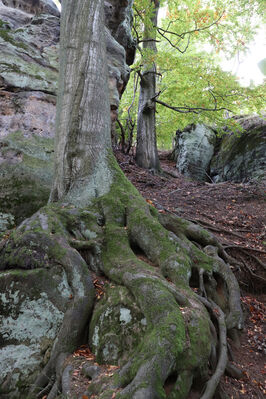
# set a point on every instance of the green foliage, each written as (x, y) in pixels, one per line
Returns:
(190, 41)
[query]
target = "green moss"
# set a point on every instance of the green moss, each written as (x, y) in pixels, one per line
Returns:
(115, 326)
(9, 67)
(8, 37)
(25, 185)
(201, 260)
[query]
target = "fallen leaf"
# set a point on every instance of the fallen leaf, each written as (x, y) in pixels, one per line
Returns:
(149, 202)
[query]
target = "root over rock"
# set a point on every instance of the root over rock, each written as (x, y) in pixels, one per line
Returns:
(174, 297)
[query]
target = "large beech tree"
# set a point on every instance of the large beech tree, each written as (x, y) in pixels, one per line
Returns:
(185, 335)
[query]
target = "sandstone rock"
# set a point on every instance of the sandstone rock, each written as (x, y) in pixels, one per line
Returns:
(242, 157)
(33, 6)
(193, 152)
(31, 312)
(6, 222)
(26, 170)
(200, 155)
(26, 62)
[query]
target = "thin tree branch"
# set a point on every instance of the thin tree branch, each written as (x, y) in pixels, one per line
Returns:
(195, 110)
(183, 34)
(172, 44)
(149, 40)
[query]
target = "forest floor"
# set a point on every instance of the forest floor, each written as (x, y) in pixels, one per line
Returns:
(236, 214)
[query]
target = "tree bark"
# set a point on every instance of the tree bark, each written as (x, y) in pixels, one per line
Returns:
(146, 151)
(83, 138)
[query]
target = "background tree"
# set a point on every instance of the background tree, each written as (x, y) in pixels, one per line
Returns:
(97, 220)
(146, 150)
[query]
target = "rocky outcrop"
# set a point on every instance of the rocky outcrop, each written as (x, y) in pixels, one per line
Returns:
(29, 44)
(242, 157)
(194, 148)
(28, 78)
(201, 155)
(33, 6)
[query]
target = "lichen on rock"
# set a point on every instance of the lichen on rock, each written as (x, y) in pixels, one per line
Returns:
(242, 157)
(31, 312)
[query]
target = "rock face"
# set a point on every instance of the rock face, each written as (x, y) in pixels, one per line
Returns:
(33, 6)
(202, 156)
(6, 222)
(32, 310)
(193, 152)
(29, 43)
(242, 158)
(28, 78)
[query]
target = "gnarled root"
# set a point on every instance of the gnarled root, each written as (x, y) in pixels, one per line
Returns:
(185, 291)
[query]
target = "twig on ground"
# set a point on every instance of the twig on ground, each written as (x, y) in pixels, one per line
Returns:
(247, 248)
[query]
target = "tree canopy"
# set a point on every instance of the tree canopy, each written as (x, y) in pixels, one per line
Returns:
(191, 40)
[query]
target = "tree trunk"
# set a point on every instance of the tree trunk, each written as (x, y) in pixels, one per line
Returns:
(146, 151)
(83, 141)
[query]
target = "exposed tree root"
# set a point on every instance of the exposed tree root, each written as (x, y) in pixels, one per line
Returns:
(222, 362)
(209, 226)
(252, 274)
(246, 252)
(188, 293)
(245, 248)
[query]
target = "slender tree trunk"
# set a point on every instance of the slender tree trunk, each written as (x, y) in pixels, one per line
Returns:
(83, 140)
(146, 151)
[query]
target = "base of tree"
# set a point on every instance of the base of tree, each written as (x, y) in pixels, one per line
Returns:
(175, 272)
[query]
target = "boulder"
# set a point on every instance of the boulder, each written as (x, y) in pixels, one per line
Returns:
(194, 148)
(242, 157)
(31, 312)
